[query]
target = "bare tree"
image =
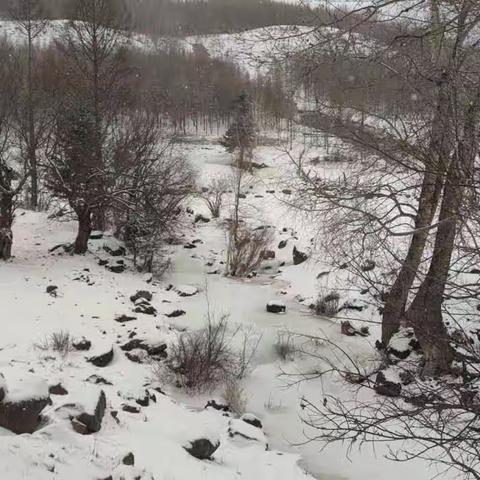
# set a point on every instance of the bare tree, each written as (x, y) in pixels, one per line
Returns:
(29, 16)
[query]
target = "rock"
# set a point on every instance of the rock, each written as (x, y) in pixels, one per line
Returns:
(175, 313)
(268, 255)
(96, 235)
(130, 408)
(119, 268)
(251, 420)
(98, 380)
(298, 256)
(282, 244)
(102, 360)
(402, 344)
(276, 307)
(203, 449)
(129, 459)
(186, 290)
(386, 387)
(368, 266)
(189, 246)
(91, 418)
(348, 329)
(118, 251)
(217, 406)
(57, 390)
(52, 290)
(20, 407)
(245, 432)
(201, 218)
(286, 191)
(145, 294)
(143, 306)
(153, 350)
(124, 318)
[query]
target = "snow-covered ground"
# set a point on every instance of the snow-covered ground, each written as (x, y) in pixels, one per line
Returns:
(86, 302)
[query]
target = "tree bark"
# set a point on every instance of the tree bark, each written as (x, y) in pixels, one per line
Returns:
(84, 230)
(425, 312)
(432, 184)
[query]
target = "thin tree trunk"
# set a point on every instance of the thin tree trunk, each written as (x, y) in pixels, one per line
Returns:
(425, 312)
(31, 134)
(84, 231)
(432, 184)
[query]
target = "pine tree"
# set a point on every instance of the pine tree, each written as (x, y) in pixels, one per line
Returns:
(241, 135)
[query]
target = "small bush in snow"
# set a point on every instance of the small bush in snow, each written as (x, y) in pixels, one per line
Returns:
(214, 194)
(246, 248)
(60, 342)
(285, 346)
(202, 358)
(327, 304)
(234, 396)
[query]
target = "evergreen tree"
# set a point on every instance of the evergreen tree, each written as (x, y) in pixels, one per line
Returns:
(241, 135)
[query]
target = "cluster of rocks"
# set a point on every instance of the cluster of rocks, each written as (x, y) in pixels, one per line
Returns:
(142, 300)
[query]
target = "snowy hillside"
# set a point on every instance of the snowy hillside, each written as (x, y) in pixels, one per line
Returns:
(46, 293)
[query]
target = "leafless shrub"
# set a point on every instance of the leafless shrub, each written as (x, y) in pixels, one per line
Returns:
(273, 405)
(327, 303)
(60, 342)
(285, 346)
(202, 358)
(234, 396)
(246, 249)
(213, 195)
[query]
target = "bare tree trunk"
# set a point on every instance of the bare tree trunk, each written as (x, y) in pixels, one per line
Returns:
(432, 184)
(425, 312)
(84, 231)
(6, 220)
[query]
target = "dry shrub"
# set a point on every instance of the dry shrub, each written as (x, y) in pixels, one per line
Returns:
(327, 303)
(234, 396)
(247, 248)
(202, 358)
(213, 195)
(285, 346)
(60, 342)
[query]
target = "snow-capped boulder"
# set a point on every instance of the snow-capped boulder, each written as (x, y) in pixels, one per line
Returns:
(103, 359)
(145, 294)
(186, 290)
(387, 387)
(239, 430)
(82, 345)
(402, 344)
(22, 404)
(203, 448)
(86, 414)
(276, 306)
(251, 420)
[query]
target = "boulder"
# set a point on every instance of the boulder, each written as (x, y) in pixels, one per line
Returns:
(115, 251)
(203, 449)
(21, 406)
(153, 349)
(217, 406)
(175, 313)
(124, 318)
(143, 306)
(350, 331)
(251, 420)
(129, 459)
(282, 244)
(52, 290)
(276, 306)
(145, 294)
(82, 345)
(102, 360)
(118, 268)
(244, 432)
(268, 255)
(201, 218)
(57, 389)
(89, 419)
(386, 387)
(298, 256)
